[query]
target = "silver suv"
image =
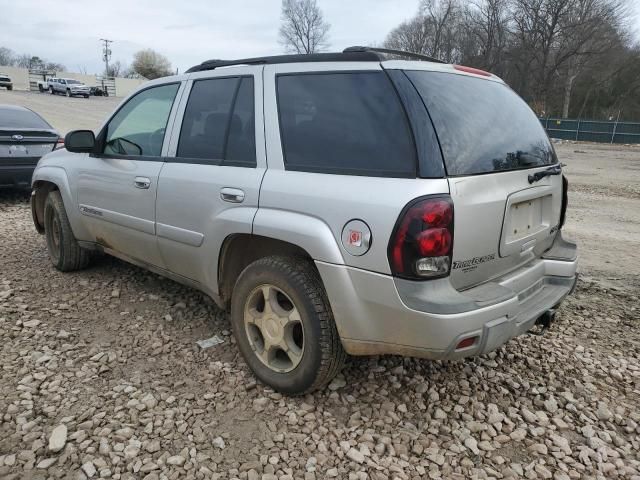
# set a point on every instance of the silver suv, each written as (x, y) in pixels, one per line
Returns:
(333, 203)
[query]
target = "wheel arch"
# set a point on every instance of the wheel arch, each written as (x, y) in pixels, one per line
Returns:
(41, 189)
(46, 179)
(240, 250)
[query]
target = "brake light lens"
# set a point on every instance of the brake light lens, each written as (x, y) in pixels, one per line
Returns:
(422, 241)
(59, 144)
(475, 71)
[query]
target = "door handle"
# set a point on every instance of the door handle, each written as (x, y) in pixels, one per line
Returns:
(142, 182)
(232, 195)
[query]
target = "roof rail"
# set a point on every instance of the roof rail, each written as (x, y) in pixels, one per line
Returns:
(351, 54)
(389, 51)
(355, 56)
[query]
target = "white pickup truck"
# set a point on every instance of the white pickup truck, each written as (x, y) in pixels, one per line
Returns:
(67, 86)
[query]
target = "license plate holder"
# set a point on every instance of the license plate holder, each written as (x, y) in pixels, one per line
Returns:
(527, 220)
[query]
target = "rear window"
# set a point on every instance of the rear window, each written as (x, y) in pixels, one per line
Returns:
(18, 118)
(483, 126)
(344, 123)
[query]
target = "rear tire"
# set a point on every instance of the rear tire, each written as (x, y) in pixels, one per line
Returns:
(86, 96)
(10, 88)
(64, 251)
(68, 93)
(309, 353)
(40, 88)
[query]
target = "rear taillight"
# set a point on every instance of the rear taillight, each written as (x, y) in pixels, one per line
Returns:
(59, 144)
(565, 201)
(422, 241)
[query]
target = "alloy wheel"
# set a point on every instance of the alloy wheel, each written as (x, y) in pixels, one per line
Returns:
(274, 328)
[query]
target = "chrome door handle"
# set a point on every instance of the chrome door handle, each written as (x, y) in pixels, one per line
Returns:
(232, 195)
(142, 182)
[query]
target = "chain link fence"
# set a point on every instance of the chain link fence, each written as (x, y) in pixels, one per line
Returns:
(592, 130)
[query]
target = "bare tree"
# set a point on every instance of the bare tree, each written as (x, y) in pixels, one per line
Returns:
(116, 69)
(443, 18)
(413, 35)
(54, 66)
(151, 64)
(303, 28)
(486, 25)
(554, 53)
(433, 31)
(7, 57)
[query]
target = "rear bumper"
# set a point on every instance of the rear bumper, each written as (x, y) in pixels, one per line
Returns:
(16, 175)
(377, 314)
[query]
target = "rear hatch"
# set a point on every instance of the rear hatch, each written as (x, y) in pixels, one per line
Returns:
(492, 142)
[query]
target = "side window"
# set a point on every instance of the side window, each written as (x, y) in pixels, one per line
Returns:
(241, 143)
(218, 124)
(344, 123)
(139, 126)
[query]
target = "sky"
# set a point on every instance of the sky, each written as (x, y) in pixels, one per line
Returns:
(187, 32)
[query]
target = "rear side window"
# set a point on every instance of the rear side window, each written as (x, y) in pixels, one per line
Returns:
(18, 118)
(344, 123)
(483, 126)
(219, 124)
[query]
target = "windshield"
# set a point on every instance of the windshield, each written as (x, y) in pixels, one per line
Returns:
(483, 126)
(73, 82)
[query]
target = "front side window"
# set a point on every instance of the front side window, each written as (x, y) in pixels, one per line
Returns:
(139, 126)
(218, 124)
(349, 123)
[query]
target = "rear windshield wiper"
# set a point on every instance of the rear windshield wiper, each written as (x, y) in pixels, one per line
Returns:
(555, 170)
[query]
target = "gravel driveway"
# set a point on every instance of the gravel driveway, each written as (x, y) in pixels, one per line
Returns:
(62, 112)
(102, 377)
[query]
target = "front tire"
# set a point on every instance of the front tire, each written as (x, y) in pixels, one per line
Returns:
(65, 253)
(284, 326)
(51, 90)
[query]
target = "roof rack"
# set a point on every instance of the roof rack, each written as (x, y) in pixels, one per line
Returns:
(351, 54)
(398, 53)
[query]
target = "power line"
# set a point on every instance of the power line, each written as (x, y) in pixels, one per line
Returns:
(106, 54)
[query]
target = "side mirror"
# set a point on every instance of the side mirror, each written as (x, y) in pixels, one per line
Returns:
(80, 141)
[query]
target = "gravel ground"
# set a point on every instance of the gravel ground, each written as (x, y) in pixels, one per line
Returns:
(101, 377)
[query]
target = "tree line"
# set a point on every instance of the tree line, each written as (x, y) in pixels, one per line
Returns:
(146, 63)
(569, 58)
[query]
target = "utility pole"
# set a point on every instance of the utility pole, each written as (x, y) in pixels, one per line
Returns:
(106, 54)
